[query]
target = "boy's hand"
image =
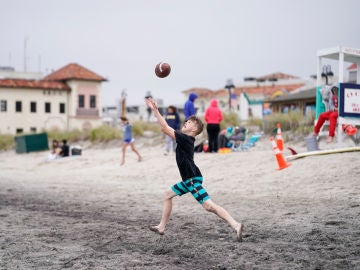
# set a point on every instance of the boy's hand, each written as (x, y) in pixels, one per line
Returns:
(151, 103)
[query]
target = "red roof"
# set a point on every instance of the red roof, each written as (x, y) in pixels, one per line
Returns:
(277, 75)
(201, 92)
(267, 90)
(21, 83)
(353, 66)
(74, 71)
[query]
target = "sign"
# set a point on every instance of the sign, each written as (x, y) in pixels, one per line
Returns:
(349, 100)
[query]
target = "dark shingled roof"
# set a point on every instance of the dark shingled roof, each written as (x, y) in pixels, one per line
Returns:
(305, 94)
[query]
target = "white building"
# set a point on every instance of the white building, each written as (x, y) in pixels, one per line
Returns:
(67, 99)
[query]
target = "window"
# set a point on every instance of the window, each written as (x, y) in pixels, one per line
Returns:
(47, 107)
(62, 108)
(33, 129)
(32, 106)
(81, 101)
(18, 106)
(3, 106)
(19, 130)
(92, 101)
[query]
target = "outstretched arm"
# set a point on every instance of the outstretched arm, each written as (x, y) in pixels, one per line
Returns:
(165, 128)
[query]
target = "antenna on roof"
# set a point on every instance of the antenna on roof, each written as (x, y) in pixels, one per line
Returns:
(39, 63)
(9, 59)
(25, 56)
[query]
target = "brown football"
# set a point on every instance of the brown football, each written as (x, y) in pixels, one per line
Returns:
(162, 70)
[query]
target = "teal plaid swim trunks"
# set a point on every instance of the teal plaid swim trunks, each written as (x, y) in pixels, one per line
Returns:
(193, 185)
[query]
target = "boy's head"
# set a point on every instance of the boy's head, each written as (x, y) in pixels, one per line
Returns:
(334, 90)
(193, 126)
(124, 119)
(171, 109)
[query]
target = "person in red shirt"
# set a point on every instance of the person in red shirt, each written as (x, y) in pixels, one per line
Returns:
(331, 115)
(213, 116)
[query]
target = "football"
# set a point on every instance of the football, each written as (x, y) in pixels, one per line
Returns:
(162, 70)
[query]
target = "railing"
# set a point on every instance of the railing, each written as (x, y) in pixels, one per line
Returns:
(87, 112)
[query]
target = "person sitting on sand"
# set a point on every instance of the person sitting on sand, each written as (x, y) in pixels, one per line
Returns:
(128, 139)
(331, 115)
(191, 176)
(64, 149)
(55, 151)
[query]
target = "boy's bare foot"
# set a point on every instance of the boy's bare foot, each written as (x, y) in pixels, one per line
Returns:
(156, 230)
(140, 159)
(122, 163)
(329, 139)
(239, 230)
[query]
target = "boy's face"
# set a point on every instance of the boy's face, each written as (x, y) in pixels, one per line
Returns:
(189, 128)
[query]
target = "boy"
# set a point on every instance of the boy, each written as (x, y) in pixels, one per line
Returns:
(331, 115)
(190, 173)
(128, 139)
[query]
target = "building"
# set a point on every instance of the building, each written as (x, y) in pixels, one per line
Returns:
(248, 99)
(303, 101)
(67, 99)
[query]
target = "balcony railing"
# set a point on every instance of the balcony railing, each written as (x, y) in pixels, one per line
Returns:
(87, 112)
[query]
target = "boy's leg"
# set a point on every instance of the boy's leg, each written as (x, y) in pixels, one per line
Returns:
(123, 153)
(333, 120)
(134, 149)
(322, 118)
(167, 143)
(167, 207)
(210, 206)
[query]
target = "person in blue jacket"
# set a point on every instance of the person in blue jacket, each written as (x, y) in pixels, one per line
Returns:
(189, 108)
(172, 118)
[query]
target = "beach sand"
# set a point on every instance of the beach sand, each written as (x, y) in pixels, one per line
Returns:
(88, 212)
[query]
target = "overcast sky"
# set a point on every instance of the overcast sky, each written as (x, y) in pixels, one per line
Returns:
(205, 41)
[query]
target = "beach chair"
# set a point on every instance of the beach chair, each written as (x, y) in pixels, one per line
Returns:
(237, 140)
(251, 142)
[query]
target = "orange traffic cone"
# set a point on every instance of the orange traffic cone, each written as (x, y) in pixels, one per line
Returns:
(279, 139)
(279, 157)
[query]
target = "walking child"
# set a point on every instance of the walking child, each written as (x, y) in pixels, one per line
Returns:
(190, 173)
(128, 139)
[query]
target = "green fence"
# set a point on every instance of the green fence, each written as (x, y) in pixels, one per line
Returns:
(31, 143)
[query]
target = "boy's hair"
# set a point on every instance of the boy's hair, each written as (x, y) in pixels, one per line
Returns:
(198, 122)
(173, 108)
(123, 118)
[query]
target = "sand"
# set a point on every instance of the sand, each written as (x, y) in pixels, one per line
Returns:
(88, 212)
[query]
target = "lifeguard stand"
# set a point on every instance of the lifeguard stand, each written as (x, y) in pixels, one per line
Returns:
(349, 94)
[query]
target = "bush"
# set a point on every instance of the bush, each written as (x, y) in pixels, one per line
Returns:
(104, 134)
(70, 136)
(293, 121)
(139, 127)
(230, 119)
(253, 121)
(6, 142)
